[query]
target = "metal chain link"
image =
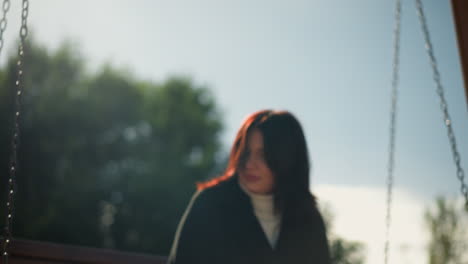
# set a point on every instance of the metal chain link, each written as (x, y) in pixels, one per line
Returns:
(13, 168)
(393, 117)
(3, 21)
(443, 102)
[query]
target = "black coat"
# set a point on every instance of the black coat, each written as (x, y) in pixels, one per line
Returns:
(219, 226)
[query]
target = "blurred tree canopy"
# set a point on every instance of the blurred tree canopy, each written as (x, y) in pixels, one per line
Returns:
(342, 251)
(446, 223)
(106, 160)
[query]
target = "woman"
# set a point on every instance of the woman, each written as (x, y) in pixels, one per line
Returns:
(260, 210)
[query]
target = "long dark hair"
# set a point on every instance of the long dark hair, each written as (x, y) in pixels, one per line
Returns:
(285, 153)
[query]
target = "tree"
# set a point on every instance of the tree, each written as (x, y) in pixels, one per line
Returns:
(106, 160)
(446, 224)
(342, 251)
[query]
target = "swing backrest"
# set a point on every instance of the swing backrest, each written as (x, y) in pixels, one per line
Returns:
(34, 252)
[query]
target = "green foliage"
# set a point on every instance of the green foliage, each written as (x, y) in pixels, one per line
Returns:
(342, 251)
(346, 252)
(448, 236)
(105, 160)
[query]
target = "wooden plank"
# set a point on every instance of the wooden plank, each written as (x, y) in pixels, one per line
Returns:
(36, 252)
(18, 260)
(460, 16)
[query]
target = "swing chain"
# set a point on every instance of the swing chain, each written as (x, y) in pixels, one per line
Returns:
(391, 158)
(13, 168)
(24, 21)
(443, 102)
(3, 21)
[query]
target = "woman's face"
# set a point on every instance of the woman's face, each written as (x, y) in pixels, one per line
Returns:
(255, 174)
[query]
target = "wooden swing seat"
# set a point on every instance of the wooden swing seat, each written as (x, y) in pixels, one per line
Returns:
(38, 252)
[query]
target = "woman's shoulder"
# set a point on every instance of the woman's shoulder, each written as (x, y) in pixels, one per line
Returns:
(306, 211)
(217, 195)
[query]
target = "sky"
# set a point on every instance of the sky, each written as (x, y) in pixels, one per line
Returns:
(328, 62)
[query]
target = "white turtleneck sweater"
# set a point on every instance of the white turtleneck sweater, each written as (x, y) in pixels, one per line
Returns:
(263, 207)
